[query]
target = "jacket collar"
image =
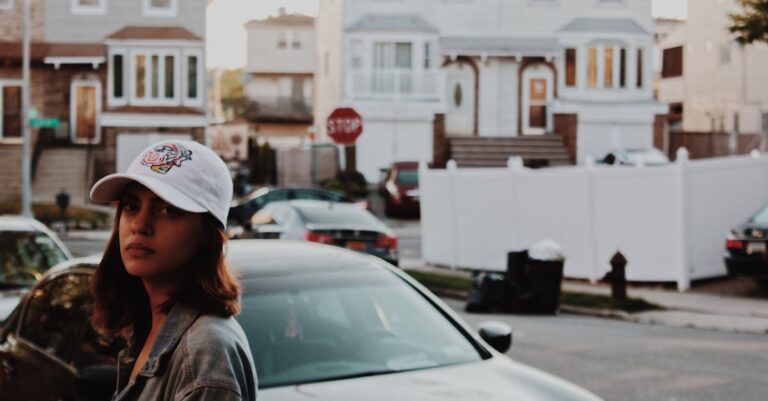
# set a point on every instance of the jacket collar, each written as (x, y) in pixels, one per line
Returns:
(176, 324)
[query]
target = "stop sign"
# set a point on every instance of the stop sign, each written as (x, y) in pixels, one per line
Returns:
(344, 125)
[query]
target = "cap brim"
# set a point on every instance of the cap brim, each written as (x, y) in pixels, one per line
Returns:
(110, 188)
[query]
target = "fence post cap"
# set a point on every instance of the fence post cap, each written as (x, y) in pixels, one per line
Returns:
(451, 165)
(755, 153)
(515, 163)
(682, 154)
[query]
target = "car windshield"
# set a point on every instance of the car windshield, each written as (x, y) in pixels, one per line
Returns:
(330, 213)
(407, 177)
(25, 256)
(761, 217)
(337, 325)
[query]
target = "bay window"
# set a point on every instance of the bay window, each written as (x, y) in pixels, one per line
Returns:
(155, 77)
(607, 67)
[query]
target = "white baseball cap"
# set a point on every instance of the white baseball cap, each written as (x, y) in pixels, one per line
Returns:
(186, 174)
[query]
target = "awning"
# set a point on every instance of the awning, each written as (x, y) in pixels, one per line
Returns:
(392, 23)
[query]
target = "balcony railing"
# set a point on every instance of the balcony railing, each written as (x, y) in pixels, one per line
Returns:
(278, 109)
(394, 84)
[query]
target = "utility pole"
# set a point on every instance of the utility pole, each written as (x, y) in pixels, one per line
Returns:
(26, 179)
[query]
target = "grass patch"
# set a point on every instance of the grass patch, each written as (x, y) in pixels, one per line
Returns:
(594, 301)
(49, 213)
(434, 280)
(584, 300)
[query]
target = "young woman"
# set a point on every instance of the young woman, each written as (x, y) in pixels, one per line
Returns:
(163, 283)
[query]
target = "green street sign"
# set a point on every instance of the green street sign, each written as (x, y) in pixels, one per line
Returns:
(44, 122)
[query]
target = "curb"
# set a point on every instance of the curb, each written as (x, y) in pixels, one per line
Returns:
(664, 318)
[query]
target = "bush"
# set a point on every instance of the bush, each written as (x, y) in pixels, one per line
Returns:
(353, 185)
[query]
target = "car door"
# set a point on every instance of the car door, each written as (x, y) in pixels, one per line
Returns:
(40, 350)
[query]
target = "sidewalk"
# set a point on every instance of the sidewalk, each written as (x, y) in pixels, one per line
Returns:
(694, 310)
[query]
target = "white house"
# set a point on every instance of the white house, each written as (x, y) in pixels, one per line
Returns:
(280, 77)
(709, 80)
(579, 68)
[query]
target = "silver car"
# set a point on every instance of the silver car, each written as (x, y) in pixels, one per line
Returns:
(323, 323)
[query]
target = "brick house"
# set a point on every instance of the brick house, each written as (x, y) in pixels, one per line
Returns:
(117, 74)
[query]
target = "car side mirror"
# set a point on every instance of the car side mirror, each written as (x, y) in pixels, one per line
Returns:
(497, 335)
(96, 382)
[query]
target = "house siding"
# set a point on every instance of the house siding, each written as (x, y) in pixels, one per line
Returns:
(61, 25)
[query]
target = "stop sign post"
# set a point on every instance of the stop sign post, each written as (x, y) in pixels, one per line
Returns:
(344, 126)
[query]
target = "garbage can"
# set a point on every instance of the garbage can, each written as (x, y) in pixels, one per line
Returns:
(517, 281)
(545, 275)
(489, 292)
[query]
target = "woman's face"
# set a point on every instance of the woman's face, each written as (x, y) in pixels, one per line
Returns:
(156, 238)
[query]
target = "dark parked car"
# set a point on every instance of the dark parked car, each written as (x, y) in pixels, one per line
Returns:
(339, 224)
(747, 249)
(244, 208)
(27, 250)
(323, 324)
(400, 189)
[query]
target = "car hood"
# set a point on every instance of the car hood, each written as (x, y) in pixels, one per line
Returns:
(8, 301)
(496, 379)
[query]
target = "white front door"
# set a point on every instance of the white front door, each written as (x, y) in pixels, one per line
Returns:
(537, 94)
(460, 95)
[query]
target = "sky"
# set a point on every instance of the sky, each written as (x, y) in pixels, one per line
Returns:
(225, 35)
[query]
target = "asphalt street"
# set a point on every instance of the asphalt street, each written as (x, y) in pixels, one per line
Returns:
(634, 362)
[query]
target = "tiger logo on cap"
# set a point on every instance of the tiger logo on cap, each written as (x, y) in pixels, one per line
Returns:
(163, 157)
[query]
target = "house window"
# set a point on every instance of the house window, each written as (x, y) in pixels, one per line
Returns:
(672, 62)
(608, 68)
(765, 123)
(92, 7)
(623, 68)
(639, 68)
(296, 41)
(160, 8)
(282, 40)
(155, 78)
(170, 80)
(192, 71)
(6, 4)
(10, 104)
(357, 54)
(736, 122)
(140, 76)
(570, 67)
(117, 76)
(592, 68)
(427, 55)
(392, 55)
(725, 53)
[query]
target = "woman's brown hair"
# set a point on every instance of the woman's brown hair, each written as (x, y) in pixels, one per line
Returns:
(121, 304)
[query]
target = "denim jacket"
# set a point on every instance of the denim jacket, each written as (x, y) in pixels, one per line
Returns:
(195, 357)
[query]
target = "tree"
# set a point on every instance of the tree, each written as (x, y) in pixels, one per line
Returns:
(751, 25)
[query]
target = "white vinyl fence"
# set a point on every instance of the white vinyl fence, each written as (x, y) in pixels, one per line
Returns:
(669, 221)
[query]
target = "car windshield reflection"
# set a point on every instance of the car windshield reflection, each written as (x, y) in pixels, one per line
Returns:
(329, 326)
(25, 256)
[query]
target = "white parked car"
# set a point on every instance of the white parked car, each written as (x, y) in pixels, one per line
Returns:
(636, 157)
(27, 250)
